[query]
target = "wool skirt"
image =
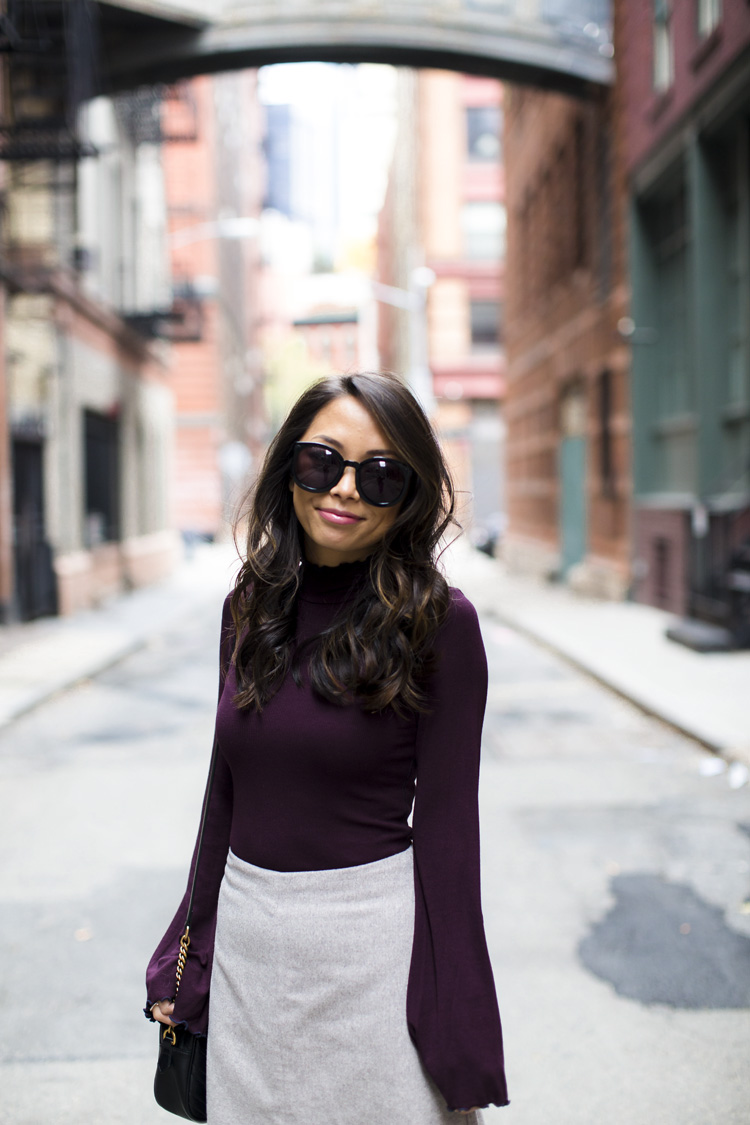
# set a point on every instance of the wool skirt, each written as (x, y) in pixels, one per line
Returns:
(308, 1000)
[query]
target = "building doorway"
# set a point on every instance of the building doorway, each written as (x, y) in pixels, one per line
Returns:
(35, 584)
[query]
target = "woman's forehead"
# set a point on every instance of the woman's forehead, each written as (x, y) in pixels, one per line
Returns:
(344, 421)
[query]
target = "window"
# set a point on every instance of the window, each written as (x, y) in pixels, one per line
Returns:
(671, 427)
(485, 325)
(581, 173)
(663, 45)
(604, 210)
(709, 16)
(662, 549)
(483, 132)
(483, 227)
(669, 231)
(102, 462)
(606, 460)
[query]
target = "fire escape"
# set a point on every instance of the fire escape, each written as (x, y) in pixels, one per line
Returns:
(50, 53)
(47, 64)
(50, 50)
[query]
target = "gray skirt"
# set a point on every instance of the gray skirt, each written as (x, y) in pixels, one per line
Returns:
(308, 1000)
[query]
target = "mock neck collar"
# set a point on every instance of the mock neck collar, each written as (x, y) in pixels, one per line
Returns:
(332, 583)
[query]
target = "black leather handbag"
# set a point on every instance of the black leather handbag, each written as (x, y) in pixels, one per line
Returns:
(180, 1082)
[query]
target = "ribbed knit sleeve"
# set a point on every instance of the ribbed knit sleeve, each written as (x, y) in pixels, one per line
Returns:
(452, 1008)
(191, 1007)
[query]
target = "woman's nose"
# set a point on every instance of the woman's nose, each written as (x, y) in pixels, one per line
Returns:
(347, 486)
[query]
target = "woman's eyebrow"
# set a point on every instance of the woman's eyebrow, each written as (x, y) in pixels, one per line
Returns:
(326, 440)
(370, 452)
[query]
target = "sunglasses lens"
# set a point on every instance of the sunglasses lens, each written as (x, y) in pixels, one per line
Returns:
(316, 467)
(382, 482)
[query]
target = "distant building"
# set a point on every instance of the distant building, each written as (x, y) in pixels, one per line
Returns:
(214, 185)
(444, 211)
(101, 312)
(331, 338)
(329, 130)
(278, 152)
(567, 407)
(90, 413)
(685, 81)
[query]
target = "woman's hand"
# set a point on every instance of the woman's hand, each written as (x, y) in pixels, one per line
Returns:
(162, 1010)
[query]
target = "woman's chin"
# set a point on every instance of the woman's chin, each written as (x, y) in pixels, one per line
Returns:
(333, 550)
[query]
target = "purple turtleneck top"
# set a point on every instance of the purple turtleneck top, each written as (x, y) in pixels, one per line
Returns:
(308, 785)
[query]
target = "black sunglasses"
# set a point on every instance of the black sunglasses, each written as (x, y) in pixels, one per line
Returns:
(381, 481)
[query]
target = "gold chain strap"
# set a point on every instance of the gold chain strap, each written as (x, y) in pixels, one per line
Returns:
(168, 1032)
(182, 958)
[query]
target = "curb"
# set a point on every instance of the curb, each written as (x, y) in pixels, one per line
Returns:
(623, 693)
(9, 714)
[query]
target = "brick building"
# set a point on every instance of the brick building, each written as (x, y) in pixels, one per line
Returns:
(685, 80)
(567, 407)
(444, 210)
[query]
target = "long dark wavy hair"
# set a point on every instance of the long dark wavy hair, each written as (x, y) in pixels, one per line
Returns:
(378, 651)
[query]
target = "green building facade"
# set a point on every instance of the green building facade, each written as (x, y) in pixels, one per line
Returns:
(690, 335)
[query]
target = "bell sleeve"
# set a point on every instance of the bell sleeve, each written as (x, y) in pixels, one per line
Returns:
(191, 1006)
(452, 1010)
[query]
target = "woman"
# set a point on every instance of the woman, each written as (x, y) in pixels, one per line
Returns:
(343, 950)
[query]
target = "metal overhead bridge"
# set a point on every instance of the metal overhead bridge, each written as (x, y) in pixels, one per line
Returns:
(562, 44)
(59, 53)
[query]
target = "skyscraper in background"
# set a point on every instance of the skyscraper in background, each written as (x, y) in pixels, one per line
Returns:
(329, 137)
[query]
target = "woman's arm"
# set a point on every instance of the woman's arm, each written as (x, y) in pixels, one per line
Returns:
(191, 1007)
(451, 1004)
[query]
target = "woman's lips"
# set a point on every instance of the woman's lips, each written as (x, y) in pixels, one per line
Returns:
(333, 515)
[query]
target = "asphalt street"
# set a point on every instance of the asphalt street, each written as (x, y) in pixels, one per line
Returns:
(616, 893)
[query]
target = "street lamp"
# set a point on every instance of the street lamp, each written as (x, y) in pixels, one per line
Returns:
(414, 301)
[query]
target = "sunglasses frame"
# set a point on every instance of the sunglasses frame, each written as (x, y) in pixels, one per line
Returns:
(357, 466)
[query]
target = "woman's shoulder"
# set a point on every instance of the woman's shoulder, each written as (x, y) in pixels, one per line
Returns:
(461, 609)
(459, 648)
(228, 627)
(462, 618)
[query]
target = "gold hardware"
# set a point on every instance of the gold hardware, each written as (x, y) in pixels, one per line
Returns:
(182, 957)
(170, 1035)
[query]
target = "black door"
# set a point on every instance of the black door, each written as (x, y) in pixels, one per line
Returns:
(36, 588)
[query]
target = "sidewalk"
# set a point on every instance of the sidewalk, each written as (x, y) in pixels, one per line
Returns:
(622, 644)
(41, 658)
